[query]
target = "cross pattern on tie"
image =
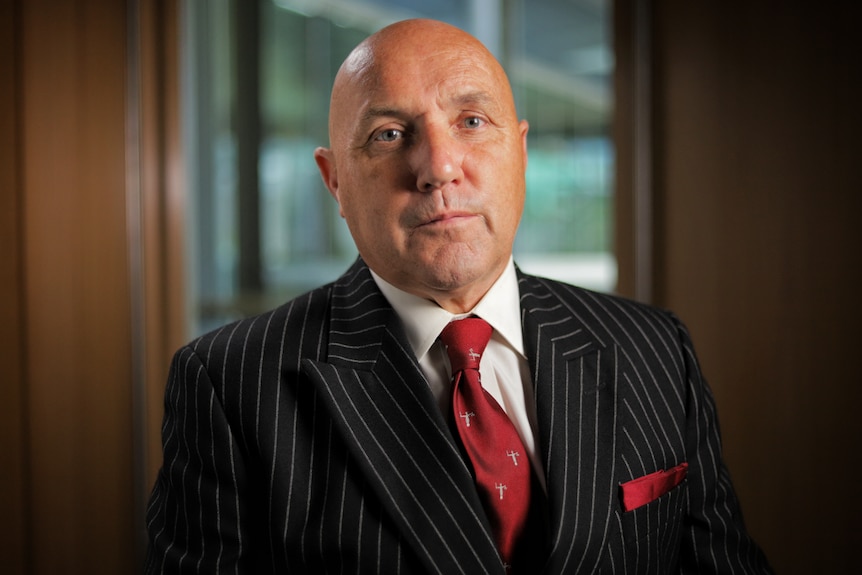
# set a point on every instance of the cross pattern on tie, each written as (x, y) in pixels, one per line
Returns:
(488, 436)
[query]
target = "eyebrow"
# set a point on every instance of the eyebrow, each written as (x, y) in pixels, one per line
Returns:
(474, 97)
(380, 112)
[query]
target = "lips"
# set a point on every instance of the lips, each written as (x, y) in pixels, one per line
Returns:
(440, 211)
(449, 217)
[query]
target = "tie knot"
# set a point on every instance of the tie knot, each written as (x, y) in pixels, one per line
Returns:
(465, 341)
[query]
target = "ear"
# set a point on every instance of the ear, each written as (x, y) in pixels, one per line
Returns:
(524, 127)
(325, 160)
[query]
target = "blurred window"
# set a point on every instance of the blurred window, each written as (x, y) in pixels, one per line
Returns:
(257, 78)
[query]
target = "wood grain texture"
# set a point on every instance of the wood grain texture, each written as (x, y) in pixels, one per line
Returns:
(758, 148)
(75, 269)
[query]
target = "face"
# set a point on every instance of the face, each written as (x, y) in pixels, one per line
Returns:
(427, 161)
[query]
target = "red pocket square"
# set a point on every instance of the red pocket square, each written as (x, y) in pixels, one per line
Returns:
(650, 487)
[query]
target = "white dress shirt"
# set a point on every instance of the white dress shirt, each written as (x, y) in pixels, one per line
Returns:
(504, 368)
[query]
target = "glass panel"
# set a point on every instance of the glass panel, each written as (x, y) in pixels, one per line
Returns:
(558, 57)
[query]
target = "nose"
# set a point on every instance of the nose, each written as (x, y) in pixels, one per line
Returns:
(436, 159)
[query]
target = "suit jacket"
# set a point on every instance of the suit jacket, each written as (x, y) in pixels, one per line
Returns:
(306, 440)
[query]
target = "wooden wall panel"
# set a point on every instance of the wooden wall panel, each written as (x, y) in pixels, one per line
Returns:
(162, 216)
(91, 258)
(760, 251)
(71, 132)
(14, 548)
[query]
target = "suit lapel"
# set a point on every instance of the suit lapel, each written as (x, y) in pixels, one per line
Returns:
(574, 375)
(379, 400)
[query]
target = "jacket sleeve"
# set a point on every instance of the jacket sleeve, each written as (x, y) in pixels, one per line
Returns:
(714, 539)
(196, 517)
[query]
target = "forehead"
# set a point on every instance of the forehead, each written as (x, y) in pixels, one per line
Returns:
(445, 80)
(412, 77)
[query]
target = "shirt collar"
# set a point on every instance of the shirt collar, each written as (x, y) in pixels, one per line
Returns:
(424, 320)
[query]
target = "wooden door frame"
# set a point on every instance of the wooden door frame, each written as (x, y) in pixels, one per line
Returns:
(157, 198)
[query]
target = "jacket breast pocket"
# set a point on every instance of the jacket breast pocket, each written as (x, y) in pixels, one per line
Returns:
(650, 535)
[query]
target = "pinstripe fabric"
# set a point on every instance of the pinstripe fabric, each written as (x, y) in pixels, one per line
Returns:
(307, 441)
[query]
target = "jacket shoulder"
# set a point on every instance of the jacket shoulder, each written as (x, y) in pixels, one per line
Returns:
(608, 317)
(294, 329)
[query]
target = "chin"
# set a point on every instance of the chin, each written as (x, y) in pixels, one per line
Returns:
(456, 271)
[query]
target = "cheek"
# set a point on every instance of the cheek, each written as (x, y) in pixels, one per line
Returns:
(501, 183)
(370, 214)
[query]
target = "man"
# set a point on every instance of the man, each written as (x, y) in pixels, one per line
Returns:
(329, 436)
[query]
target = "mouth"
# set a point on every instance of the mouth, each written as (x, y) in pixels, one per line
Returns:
(448, 218)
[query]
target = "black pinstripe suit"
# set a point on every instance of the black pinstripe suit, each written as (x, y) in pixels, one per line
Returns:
(306, 440)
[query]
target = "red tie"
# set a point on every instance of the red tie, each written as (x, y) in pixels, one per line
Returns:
(491, 441)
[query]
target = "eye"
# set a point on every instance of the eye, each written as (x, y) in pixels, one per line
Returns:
(390, 135)
(473, 122)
